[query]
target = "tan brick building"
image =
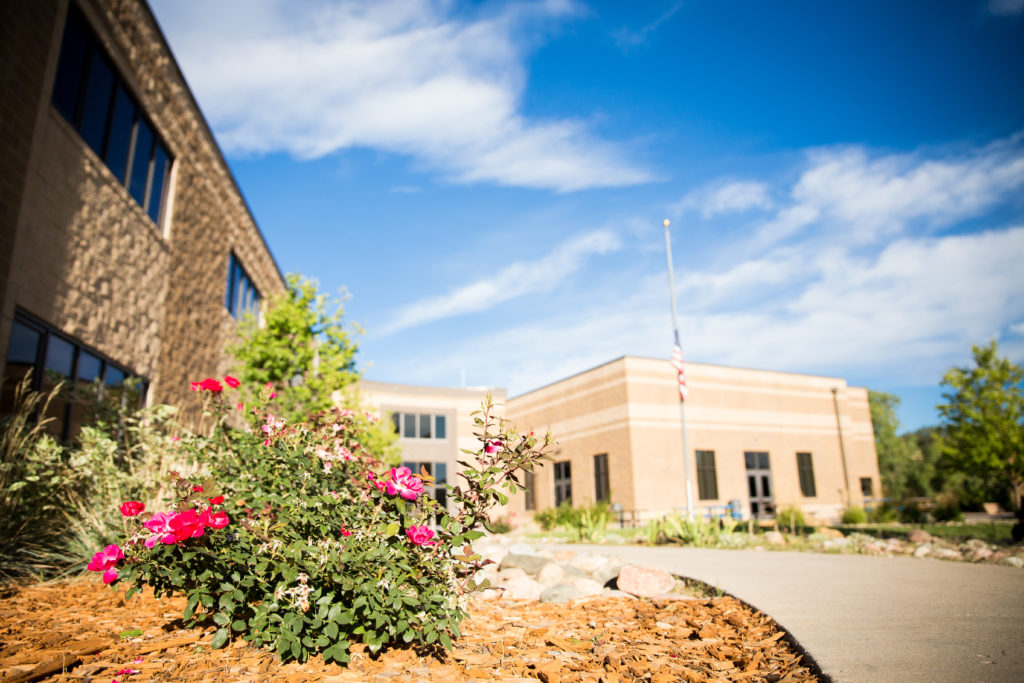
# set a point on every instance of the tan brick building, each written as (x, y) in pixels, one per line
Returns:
(434, 424)
(766, 439)
(126, 247)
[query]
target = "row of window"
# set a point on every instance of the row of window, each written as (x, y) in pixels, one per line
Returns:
(420, 425)
(96, 100)
(52, 358)
(757, 464)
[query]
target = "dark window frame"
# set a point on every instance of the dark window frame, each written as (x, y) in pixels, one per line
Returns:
(107, 364)
(71, 94)
(602, 486)
(867, 487)
(241, 295)
(805, 472)
(563, 482)
(707, 476)
(437, 424)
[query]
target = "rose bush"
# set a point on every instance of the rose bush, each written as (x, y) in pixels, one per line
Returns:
(301, 540)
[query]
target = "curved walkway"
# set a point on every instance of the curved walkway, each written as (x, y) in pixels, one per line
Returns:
(871, 618)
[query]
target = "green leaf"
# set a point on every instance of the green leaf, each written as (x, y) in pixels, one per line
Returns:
(445, 640)
(391, 529)
(220, 619)
(331, 630)
(237, 625)
(219, 638)
(190, 608)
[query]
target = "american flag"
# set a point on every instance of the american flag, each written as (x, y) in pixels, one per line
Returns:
(677, 363)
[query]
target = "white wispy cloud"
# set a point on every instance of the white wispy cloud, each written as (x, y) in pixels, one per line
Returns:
(869, 196)
(732, 197)
(627, 38)
(405, 76)
(1006, 7)
(511, 282)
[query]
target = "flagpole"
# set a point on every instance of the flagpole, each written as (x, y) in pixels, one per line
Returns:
(682, 403)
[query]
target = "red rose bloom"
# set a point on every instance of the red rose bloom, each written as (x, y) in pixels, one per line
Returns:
(211, 384)
(231, 381)
(130, 508)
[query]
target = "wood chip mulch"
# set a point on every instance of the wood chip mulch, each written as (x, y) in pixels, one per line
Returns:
(81, 631)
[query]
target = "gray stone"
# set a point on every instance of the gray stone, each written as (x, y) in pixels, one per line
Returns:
(919, 536)
(774, 538)
(606, 573)
(645, 582)
(923, 550)
(946, 553)
(835, 544)
(511, 573)
(979, 554)
(550, 574)
(562, 592)
(531, 564)
(589, 563)
(1012, 561)
(522, 549)
(521, 588)
(612, 593)
(588, 587)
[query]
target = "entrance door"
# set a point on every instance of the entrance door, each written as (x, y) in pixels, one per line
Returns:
(759, 484)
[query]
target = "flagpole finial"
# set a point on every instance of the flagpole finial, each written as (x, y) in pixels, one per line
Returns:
(665, 223)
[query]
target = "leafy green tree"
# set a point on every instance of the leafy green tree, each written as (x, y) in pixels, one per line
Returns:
(896, 455)
(984, 419)
(304, 351)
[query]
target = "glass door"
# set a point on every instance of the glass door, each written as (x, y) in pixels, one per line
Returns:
(759, 484)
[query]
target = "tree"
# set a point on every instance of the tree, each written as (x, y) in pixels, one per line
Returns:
(302, 349)
(896, 454)
(984, 418)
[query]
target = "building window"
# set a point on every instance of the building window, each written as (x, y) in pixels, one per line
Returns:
(601, 489)
(53, 358)
(707, 478)
(242, 296)
(805, 468)
(865, 487)
(95, 100)
(439, 470)
(531, 502)
(563, 483)
(420, 425)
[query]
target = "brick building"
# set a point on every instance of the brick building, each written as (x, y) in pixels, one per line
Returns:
(126, 247)
(766, 439)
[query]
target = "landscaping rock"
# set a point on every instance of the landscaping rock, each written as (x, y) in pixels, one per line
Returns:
(606, 573)
(978, 554)
(521, 588)
(550, 574)
(562, 592)
(645, 582)
(946, 553)
(588, 587)
(829, 532)
(923, 550)
(774, 538)
(531, 564)
(919, 536)
(522, 549)
(836, 543)
(1012, 561)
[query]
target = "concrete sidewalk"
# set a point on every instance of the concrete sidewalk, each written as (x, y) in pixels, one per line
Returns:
(871, 618)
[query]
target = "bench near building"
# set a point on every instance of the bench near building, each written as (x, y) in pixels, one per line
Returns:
(767, 439)
(126, 247)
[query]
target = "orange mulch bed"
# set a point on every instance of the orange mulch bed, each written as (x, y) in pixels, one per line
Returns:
(75, 631)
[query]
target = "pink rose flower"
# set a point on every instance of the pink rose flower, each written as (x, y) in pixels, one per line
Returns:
(105, 559)
(110, 576)
(194, 386)
(231, 381)
(240, 406)
(215, 520)
(212, 385)
(160, 526)
(420, 535)
(186, 525)
(492, 447)
(131, 508)
(345, 532)
(404, 483)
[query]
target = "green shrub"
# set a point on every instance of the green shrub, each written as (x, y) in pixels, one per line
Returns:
(854, 515)
(547, 519)
(947, 507)
(501, 525)
(911, 513)
(883, 513)
(791, 517)
(299, 540)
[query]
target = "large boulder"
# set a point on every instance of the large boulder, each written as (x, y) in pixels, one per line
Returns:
(531, 564)
(562, 592)
(919, 536)
(645, 582)
(521, 588)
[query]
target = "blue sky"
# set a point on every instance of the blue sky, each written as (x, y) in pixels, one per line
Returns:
(845, 179)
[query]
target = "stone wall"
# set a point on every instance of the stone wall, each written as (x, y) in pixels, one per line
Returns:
(89, 261)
